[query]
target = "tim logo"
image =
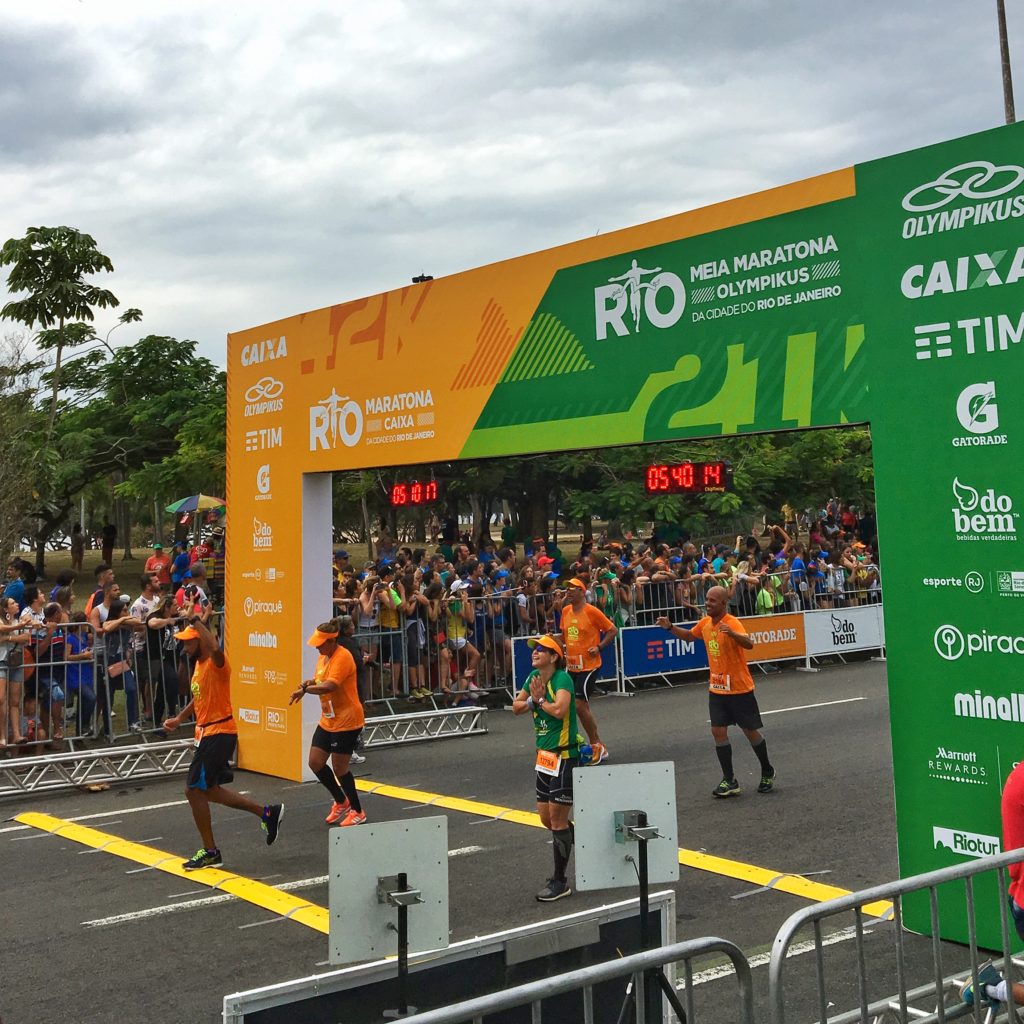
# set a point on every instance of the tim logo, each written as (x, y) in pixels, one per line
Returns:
(276, 719)
(661, 300)
(655, 650)
(333, 419)
(967, 844)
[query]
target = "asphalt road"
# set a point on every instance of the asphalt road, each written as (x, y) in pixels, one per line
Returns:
(92, 938)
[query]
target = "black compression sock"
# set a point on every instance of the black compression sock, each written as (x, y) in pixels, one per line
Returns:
(348, 784)
(761, 749)
(724, 752)
(330, 783)
(561, 842)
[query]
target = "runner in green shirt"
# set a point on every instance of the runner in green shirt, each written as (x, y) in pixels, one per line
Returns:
(548, 693)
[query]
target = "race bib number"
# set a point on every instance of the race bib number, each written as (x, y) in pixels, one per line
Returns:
(548, 762)
(574, 662)
(327, 708)
(721, 682)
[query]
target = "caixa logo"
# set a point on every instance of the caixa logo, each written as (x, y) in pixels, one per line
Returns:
(660, 301)
(264, 351)
(967, 844)
(333, 419)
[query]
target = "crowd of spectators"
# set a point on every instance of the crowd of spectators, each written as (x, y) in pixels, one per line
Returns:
(66, 651)
(449, 615)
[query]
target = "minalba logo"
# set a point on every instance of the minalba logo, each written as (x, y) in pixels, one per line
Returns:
(983, 515)
(335, 418)
(263, 641)
(641, 298)
(264, 396)
(978, 414)
(984, 186)
(967, 844)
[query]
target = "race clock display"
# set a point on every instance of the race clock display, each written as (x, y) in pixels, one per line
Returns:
(689, 478)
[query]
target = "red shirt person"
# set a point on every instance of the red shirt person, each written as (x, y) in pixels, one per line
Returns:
(160, 564)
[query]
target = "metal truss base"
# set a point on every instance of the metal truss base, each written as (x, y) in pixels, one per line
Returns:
(104, 765)
(390, 730)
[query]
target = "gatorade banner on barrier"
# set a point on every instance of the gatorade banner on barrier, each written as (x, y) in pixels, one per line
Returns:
(776, 637)
(834, 631)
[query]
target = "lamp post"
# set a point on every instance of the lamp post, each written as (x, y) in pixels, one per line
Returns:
(1004, 51)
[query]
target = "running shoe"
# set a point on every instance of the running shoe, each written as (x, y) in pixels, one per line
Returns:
(767, 783)
(600, 753)
(271, 821)
(987, 975)
(554, 890)
(353, 818)
(203, 859)
(727, 787)
(338, 811)
(355, 758)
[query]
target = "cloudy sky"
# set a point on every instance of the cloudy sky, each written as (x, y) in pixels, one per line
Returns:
(243, 162)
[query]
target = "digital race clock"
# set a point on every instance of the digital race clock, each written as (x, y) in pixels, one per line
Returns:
(415, 493)
(689, 478)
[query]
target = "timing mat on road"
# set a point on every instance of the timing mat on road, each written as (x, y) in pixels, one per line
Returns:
(312, 916)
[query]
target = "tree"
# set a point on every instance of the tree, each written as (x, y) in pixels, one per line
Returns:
(51, 264)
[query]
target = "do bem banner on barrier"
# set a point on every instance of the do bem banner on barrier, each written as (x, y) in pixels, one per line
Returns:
(834, 631)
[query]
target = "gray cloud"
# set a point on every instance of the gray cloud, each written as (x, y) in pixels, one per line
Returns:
(238, 168)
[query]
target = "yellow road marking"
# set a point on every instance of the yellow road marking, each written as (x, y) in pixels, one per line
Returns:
(265, 896)
(795, 885)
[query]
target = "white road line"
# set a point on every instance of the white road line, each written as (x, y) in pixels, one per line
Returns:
(111, 814)
(209, 901)
(761, 959)
(807, 707)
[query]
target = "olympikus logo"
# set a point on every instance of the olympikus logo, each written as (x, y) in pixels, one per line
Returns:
(980, 181)
(264, 640)
(264, 396)
(967, 844)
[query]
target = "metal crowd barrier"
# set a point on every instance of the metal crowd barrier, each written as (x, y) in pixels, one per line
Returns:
(937, 986)
(634, 967)
(77, 684)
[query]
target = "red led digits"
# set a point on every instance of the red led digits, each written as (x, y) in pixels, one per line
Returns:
(415, 493)
(688, 478)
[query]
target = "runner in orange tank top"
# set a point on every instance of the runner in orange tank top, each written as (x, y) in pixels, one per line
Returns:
(731, 699)
(216, 737)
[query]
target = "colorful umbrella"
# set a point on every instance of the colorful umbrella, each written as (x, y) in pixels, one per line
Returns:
(195, 501)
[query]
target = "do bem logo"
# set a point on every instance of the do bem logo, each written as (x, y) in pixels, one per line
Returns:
(641, 298)
(262, 535)
(844, 632)
(982, 515)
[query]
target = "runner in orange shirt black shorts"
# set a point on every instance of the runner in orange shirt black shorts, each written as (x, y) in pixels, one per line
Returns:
(341, 722)
(731, 699)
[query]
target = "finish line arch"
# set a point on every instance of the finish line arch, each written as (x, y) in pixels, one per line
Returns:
(889, 292)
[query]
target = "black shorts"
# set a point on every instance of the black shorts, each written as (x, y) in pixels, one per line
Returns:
(343, 742)
(734, 709)
(391, 647)
(209, 767)
(582, 681)
(557, 789)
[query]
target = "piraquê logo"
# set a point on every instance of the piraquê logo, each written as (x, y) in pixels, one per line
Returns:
(951, 643)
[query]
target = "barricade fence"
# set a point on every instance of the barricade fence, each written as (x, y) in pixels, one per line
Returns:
(68, 681)
(450, 649)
